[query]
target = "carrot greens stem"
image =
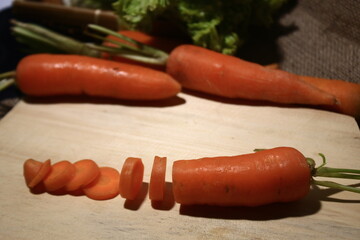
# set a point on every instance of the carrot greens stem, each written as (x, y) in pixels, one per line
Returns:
(117, 51)
(329, 172)
(136, 47)
(42, 39)
(38, 36)
(5, 83)
(330, 184)
(6, 80)
(6, 75)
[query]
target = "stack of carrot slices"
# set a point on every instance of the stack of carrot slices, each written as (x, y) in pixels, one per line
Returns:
(98, 183)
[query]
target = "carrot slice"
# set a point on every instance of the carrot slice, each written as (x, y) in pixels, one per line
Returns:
(35, 171)
(131, 178)
(60, 174)
(157, 179)
(86, 171)
(106, 186)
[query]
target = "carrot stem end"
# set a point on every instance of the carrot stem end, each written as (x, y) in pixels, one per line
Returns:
(323, 171)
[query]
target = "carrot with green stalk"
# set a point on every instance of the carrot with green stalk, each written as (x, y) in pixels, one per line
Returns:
(207, 71)
(59, 74)
(204, 70)
(279, 174)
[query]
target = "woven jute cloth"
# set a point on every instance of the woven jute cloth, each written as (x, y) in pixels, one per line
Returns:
(325, 41)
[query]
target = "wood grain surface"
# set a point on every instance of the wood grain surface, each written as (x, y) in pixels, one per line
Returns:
(182, 128)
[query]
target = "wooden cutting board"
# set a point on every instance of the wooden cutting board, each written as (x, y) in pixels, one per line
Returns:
(183, 128)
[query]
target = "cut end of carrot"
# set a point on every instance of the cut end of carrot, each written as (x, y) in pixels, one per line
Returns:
(86, 171)
(157, 179)
(131, 178)
(60, 174)
(105, 186)
(35, 171)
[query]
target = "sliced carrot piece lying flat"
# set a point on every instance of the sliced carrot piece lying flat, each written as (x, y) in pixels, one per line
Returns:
(131, 178)
(60, 174)
(35, 171)
(157, 179)
(86, 171)
(105, 186)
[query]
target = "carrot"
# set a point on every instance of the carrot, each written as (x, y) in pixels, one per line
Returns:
(347, 94)
(204, 70)
(131, 178)
(86, 171)
(157, 179)
(164, 44)
(49, 75)
(200, 69)
(280, 174)
(60, 174)
(273, 66)
(35, 171)
(211, 72)
(106, 185)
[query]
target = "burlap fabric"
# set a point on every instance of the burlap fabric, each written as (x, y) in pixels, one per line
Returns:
(326, 39)
(317, 37)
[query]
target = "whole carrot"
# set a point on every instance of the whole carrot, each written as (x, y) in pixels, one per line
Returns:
(208, 71)
(280, 174)
(204, 70)
(48, 75)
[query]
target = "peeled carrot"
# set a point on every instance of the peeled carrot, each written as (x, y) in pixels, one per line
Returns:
(48, 75)
(157, 179)
(280, 174)
(211, 72)
(347, 94)
(86, 171)
(35, 171)
(60, 174)
(105, 186)
(131, 178)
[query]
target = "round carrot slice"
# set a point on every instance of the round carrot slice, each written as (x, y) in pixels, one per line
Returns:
(105, 186)
(35, 171)
(60, 174)
(131, 178)
(86, 171)
(157, 179)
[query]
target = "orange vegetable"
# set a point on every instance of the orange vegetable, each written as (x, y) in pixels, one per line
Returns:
(208, 71)
(157, 179)
(347, 94)
(35, 171)
(86, 171)
(60, 174)
(105, 186)
(280, 174)
(162, 43)
(131, 178)
(268, 176)
(48, 75)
